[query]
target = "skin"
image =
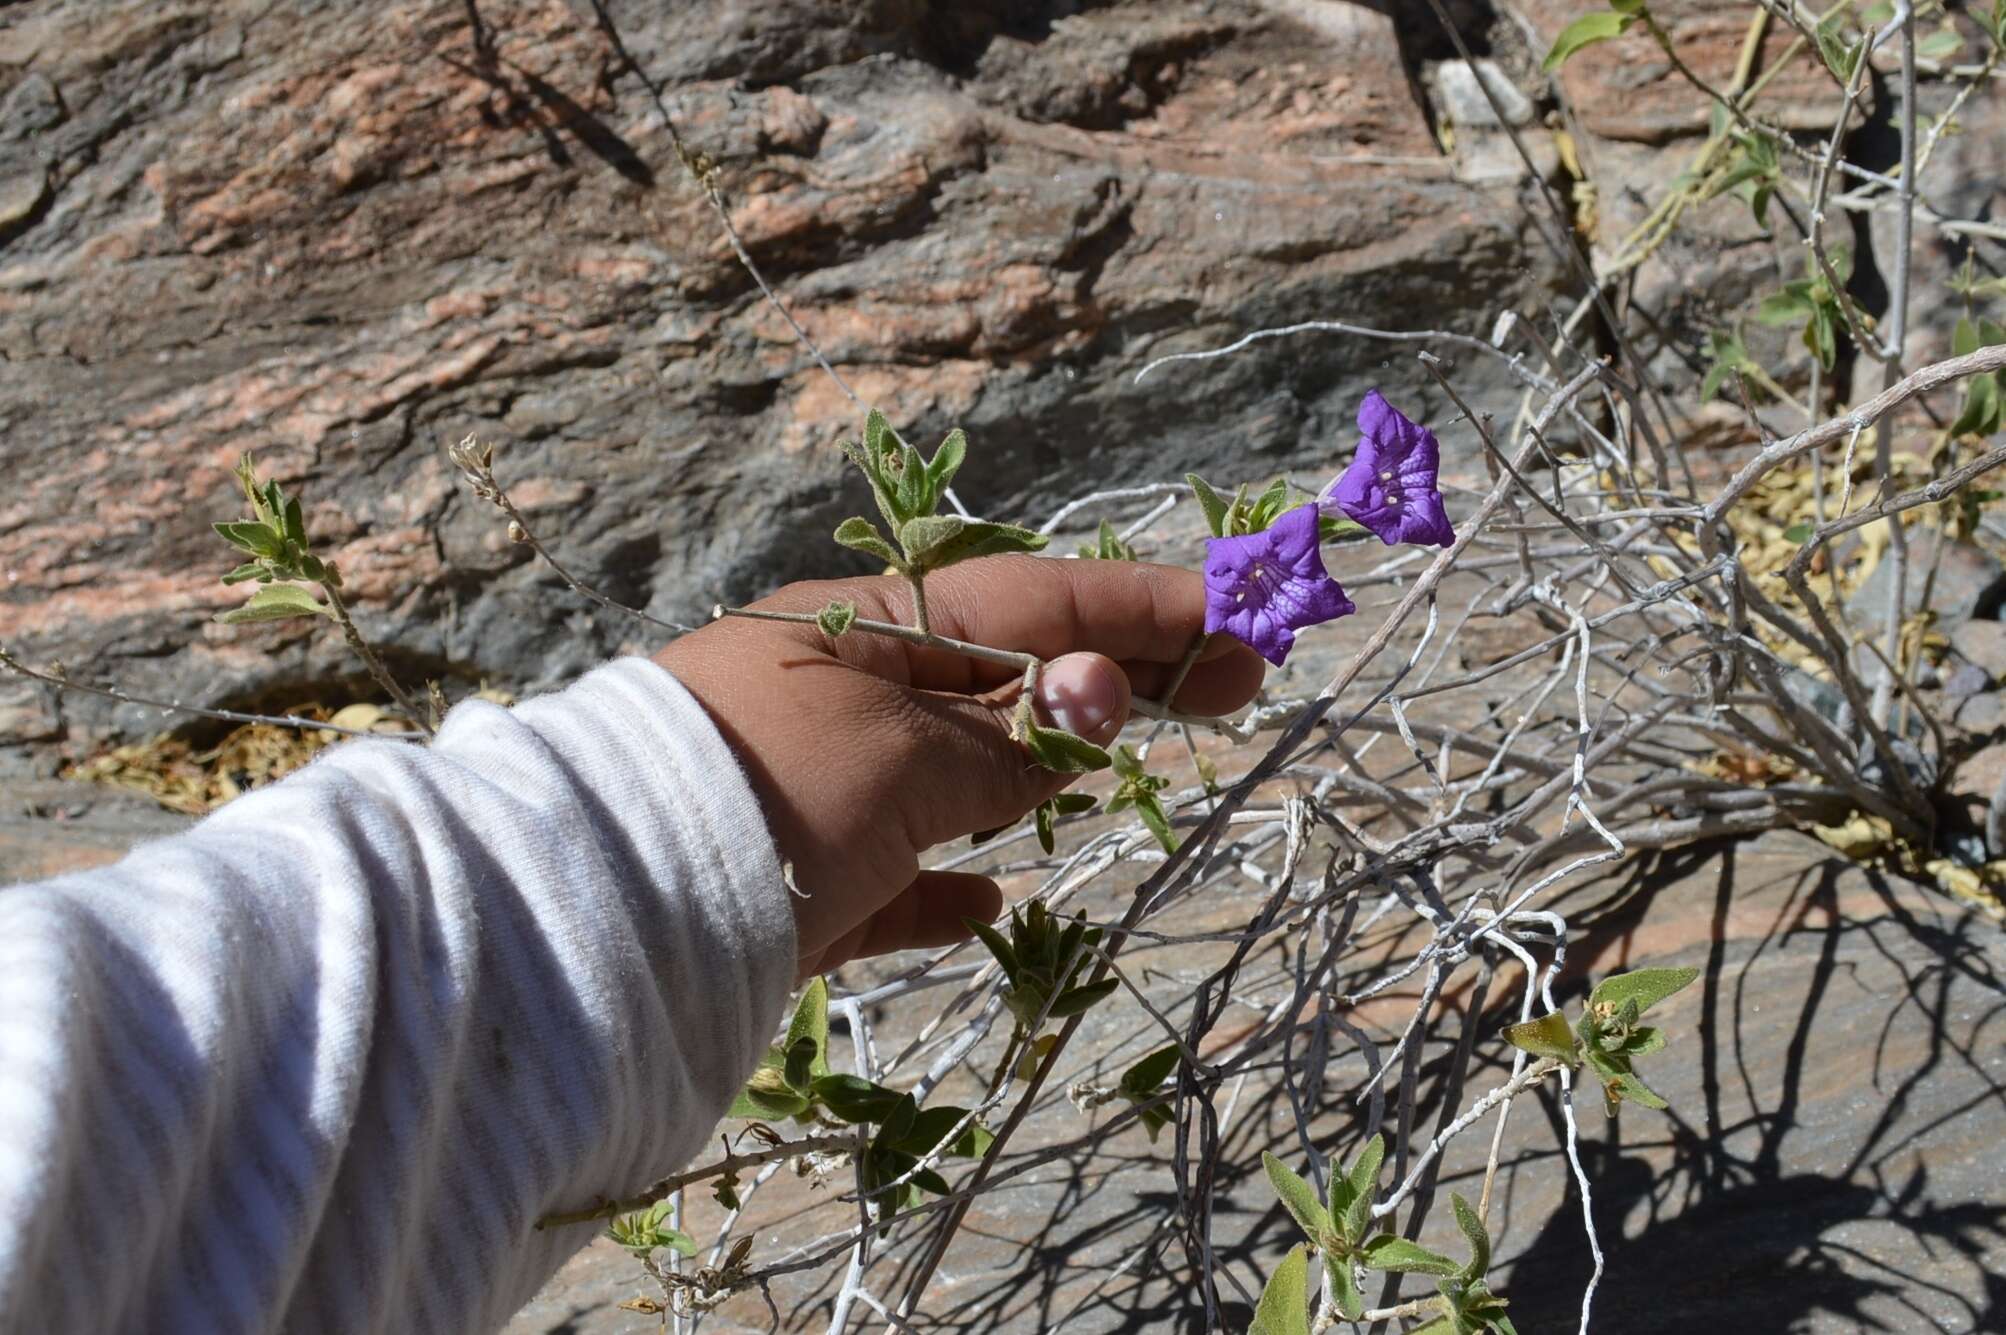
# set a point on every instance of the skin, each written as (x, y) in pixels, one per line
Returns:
(866, 752)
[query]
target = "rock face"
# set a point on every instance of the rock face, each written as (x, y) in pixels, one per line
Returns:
(345, 235)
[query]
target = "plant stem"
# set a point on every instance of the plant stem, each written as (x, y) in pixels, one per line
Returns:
(730, 1163)
(339, 610)
(918, 580)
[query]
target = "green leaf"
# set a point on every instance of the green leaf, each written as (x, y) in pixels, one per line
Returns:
(860, 534)
(899, 1122)
(1644, 1040)
(1284, 1305)
(1042, 820)
(1084, 998)
(932, 1126)
(1209, 501)
(835, 618)
(1583, 32)
(1146, 1077)
(1783, 308)
(1363, 1178)
(1646, 987)
(252, 537)
(1062, 752)
(295, 522)
(800, 1067)
(1548, 1036)
(1072, 804)
(877, 432)
(1628, 1086)
(1480, 1241)
(251, 570)
(1154, 819)
(946, 461)
(1298, 1198)
(1268, 506)
(1982, 403)
(1939, 45)
(1964, 338)
(938, 541)
(1342, 1284)
(853, 1098)
(1821, 336)
(811, 1021)
(767, 1105)
(1387, 1252)
(998, 945)
(1799, 533)
(276, 602)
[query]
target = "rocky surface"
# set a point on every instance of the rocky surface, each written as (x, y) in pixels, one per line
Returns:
(347, 236)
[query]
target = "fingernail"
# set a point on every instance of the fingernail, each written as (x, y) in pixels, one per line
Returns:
(1085, 694)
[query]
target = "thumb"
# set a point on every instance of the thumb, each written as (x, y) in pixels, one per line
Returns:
(985, 778)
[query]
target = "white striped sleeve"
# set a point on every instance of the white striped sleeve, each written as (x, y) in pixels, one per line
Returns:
(322, 1061)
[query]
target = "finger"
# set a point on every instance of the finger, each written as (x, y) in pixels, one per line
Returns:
(1129, 611)
(927, 914)
(975, 776)
(1222, 683)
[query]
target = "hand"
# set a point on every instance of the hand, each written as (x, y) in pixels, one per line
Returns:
(866, 751)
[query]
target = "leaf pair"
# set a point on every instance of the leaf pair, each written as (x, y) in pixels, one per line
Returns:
(906, 1135)
(1041, 959)
(786, 1083)
(1341, 1227)
(1608, 1036)
(1467, 1305)
(1238, 517)
(1138, 791)
(275, 539)
(645, 1230)
(908, 489)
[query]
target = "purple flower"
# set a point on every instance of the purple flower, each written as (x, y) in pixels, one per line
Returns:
(1263, 588)
(1390, 486)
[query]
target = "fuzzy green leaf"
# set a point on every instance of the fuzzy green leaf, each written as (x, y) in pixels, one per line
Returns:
(947, 460)
(1064, 753)
(1342, 1283)
(250, 570)
(836, 618)
(1479, 1239)
(252, 537)
(1387, 1252)
(938, 541)
(276, 602)
(1084, 998)
(1363, 1177)
(860, 534)
(1646, 987)
(767, 1105)
(1982, 406)
(1548, 1036)
(1154, 819)
(1583, 32)
(1210, 502)
(932, 1126)
(1284, 1305)
(1143, 1079)
(999, 946)
(1298, 1197)
(1628, 1086)
(853, 1098)
(811, 1021)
